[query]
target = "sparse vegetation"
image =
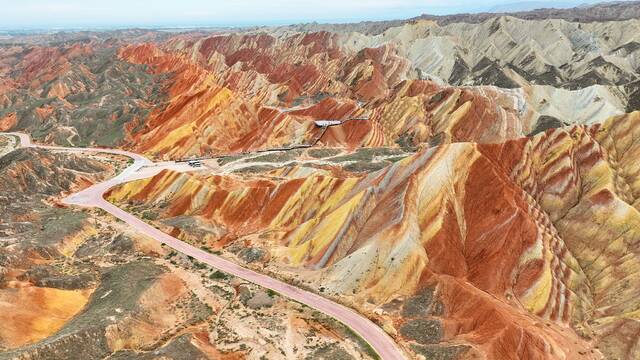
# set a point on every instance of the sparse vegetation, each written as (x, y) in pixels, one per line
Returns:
(368, 154)
(150, 215)
(322, 153)
(253, 169)
(278, 157)
(218, 275)
(229, 159)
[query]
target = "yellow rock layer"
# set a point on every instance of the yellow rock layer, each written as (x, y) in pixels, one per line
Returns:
(30, 314)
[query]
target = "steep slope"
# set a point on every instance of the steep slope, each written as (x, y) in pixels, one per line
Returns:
(196, 94)
(399, 111)
(78, 284)
(560, 246)
(510, 52)
(485, 205)
(32, 232)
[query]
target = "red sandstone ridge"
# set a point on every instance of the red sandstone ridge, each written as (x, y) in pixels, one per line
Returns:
(196, 95)
(470, 221)
(64, 268)
(524, 247)
(214, 84)
(197, 106)
(458, 217)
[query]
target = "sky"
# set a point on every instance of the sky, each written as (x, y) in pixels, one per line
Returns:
(42, 14)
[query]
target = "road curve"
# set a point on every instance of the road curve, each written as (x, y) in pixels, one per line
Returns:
(93, 196)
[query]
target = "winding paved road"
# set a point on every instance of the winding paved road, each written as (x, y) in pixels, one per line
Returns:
(381, 342)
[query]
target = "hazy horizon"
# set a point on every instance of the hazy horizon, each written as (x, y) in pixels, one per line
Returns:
(117, 14)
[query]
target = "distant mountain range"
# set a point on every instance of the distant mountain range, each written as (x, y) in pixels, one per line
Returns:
(533, 5)
(606, 11)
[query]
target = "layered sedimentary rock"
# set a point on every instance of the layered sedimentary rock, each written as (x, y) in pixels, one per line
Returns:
(196, 94)
(398, 110)
(511, 52)
(533, 238)
(77, 284)
(249, 85)
(292, 70)
(484, 205)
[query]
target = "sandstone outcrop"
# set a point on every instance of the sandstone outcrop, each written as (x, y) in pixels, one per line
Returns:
(532, 237)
